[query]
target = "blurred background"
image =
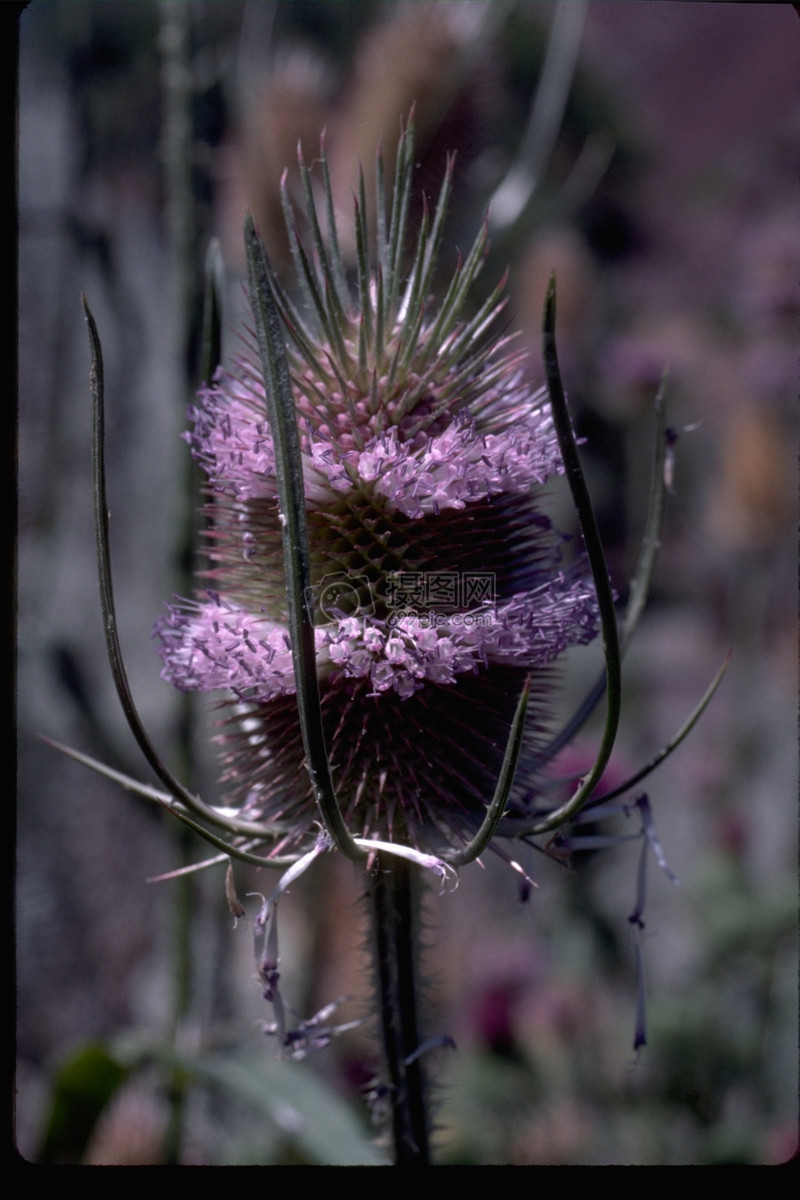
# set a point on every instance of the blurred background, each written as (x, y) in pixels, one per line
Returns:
(648, 154)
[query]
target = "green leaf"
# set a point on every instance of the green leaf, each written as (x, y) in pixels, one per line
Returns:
(82, 1089)
(310, 1116)
(304, 1108)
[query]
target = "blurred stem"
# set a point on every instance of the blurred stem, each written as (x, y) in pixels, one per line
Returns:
(393, 904)
(176, 149)
(176, 153)
(514, 195)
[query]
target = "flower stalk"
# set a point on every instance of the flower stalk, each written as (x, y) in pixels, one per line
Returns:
(393, 898)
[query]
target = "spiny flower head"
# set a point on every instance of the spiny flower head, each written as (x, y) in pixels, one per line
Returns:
(438, 584)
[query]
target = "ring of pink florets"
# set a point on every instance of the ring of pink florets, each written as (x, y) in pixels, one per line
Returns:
(216, 645)
(430, 473)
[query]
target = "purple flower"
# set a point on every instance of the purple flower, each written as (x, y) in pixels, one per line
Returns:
(438, 581)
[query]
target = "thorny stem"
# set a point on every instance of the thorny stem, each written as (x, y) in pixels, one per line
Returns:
(393, 904)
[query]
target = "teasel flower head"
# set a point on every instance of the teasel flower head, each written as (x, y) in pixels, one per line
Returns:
(437, 583)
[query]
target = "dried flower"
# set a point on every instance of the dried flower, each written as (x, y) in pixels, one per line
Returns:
(438, 582)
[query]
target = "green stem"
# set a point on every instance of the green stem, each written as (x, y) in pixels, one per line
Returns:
(393, 904)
